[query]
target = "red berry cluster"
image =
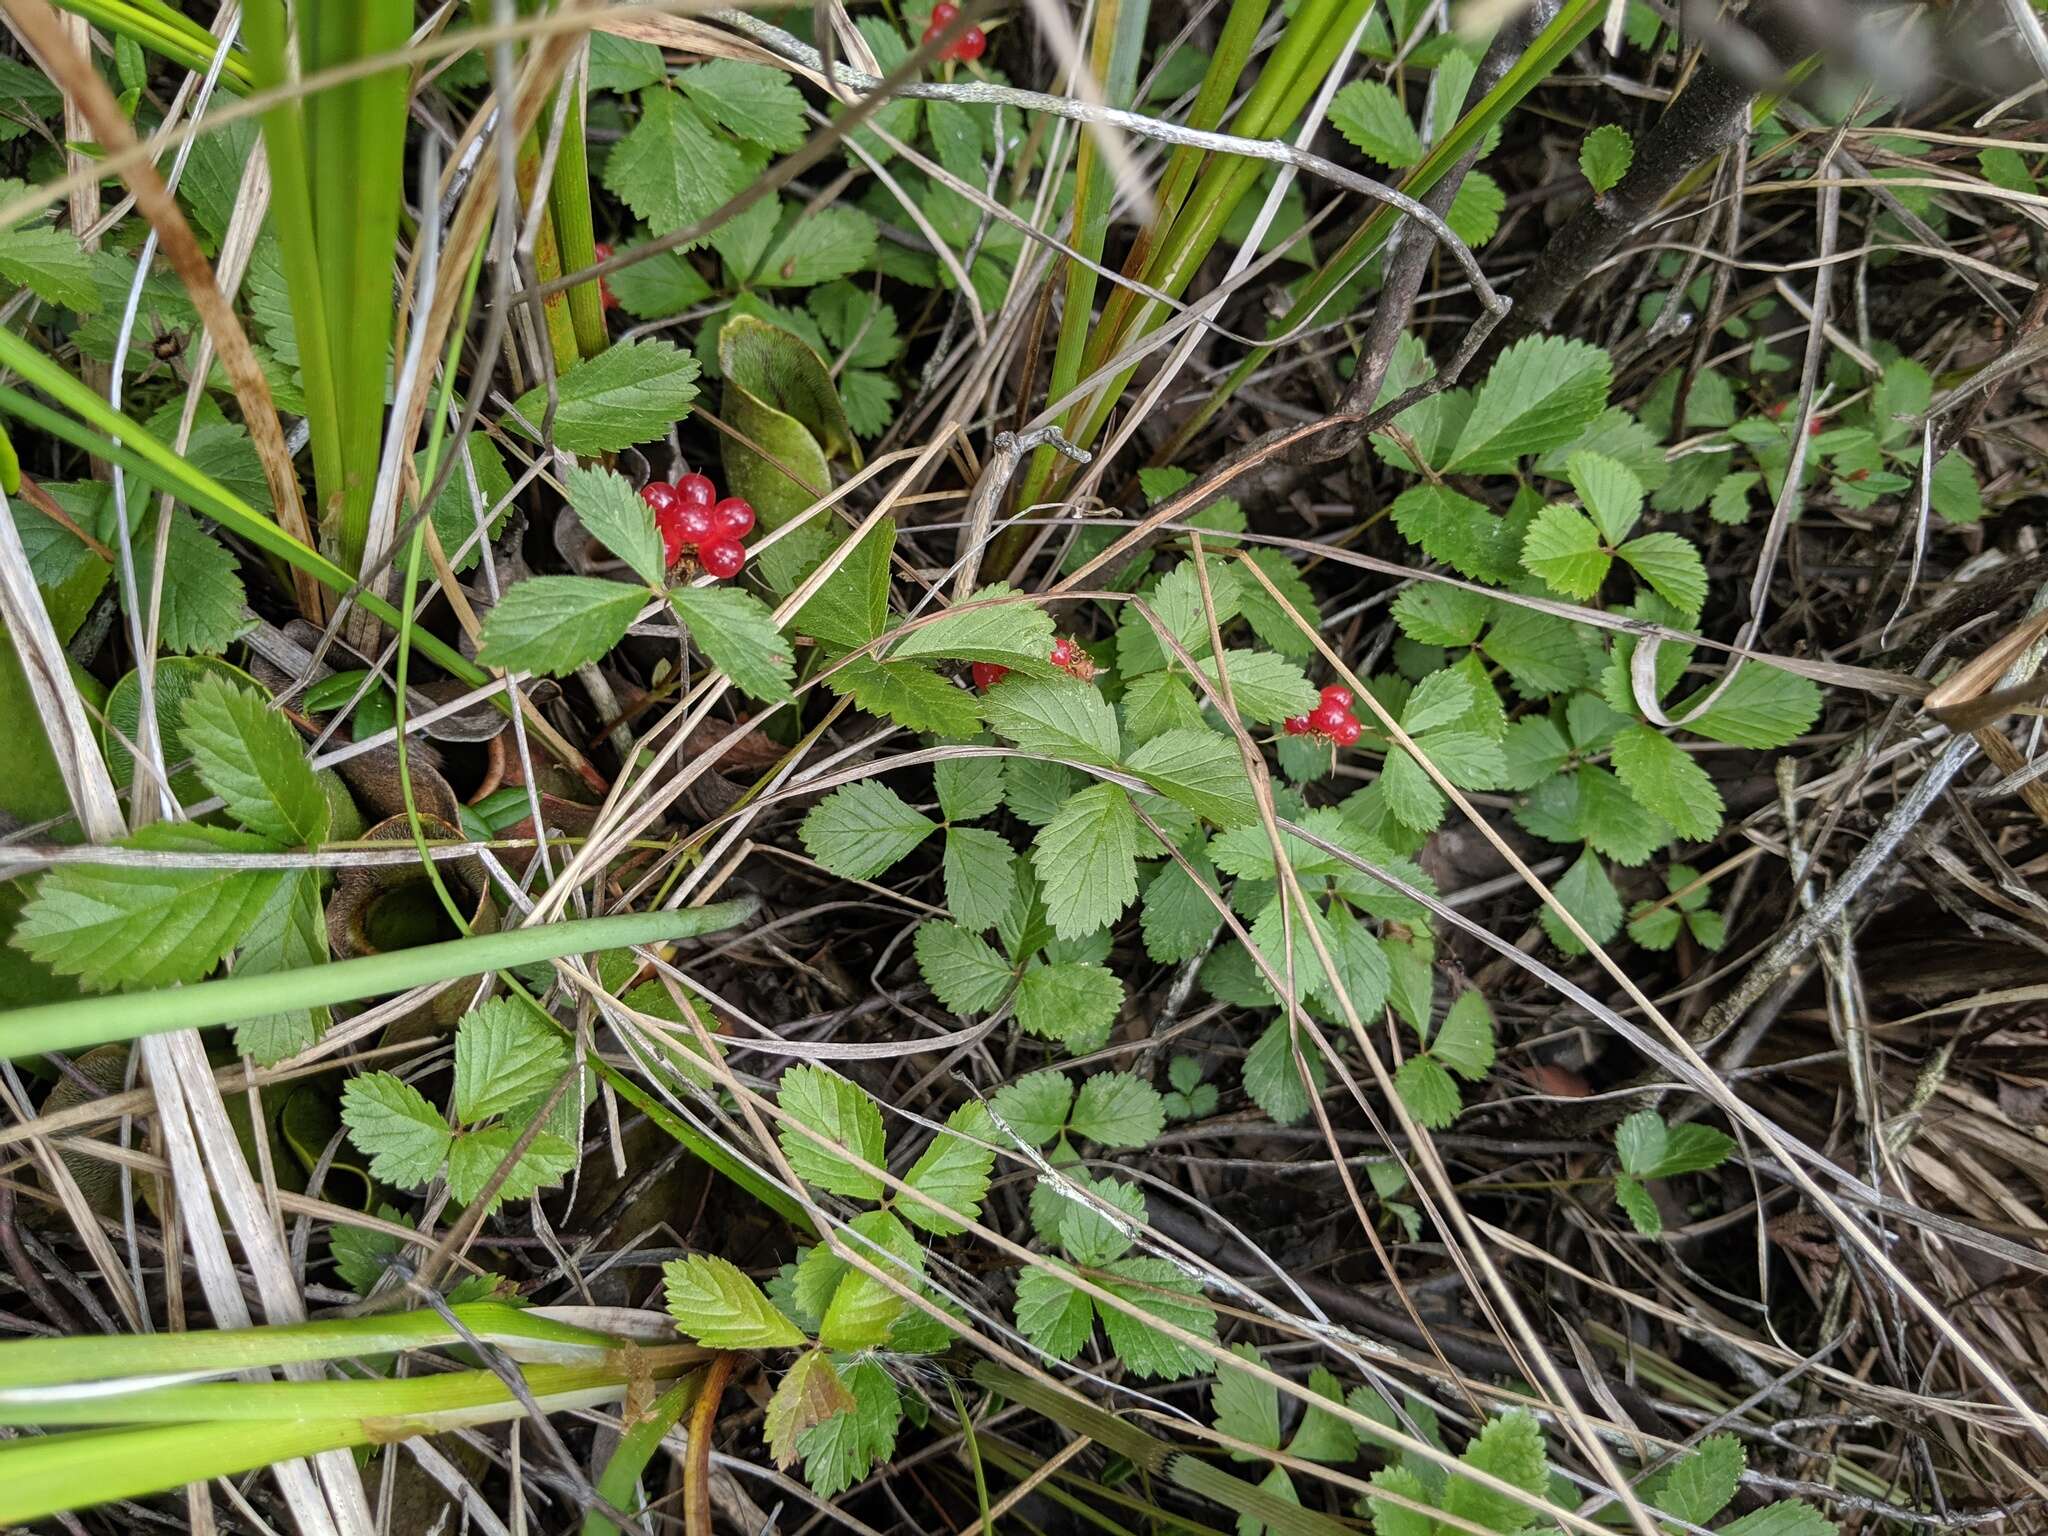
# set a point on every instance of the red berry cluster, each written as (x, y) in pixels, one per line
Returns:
(1332, 718)
(604, 289)
(1067, 655)
(968, 46)
(690, 515)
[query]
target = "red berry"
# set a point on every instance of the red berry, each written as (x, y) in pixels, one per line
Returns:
(605, 295)
(1326, 718)
(672, 541)
(973, 43)
(1063, 652)
(1346, 732)
(722, 557)
(1813, 427)
(696, 525)
(1296, 725)
(987, 674)
(733, 517)
(944, 13)
(696, 491)
(660, 495)
(1337, 694)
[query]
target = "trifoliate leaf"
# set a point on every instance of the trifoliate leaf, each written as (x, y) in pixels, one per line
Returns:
(555, 624)
(115, 926)
(612, 513)
(504, 1057)
(1669, 780)
(842, 1113)
(1538, 395)
(718, 1306)
(1605, 157)
(1086, 861)
(631, 392)
(860, 830)
(963, 970)
(405, 1137)
(248, 754)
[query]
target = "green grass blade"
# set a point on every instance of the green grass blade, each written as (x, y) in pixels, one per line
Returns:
(88, 1021)
(162, 31)
(28, 1363)
(635, 1449)
(1570, 27)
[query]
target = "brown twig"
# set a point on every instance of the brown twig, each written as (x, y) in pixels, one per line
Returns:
(697, 1459)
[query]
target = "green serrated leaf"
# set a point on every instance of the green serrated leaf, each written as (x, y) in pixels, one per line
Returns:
(979, 876)
(1050, 1313)
(1669, 780)
(1763, 707)
(736, 632)
(1070, 1002)
(1464, 1041)
(853, 607)
(1460, 532)
(1671, 564)
(714, 1303)
(504, 1057)
(1085, 858)
(1702, 1482)
(1787, 1517)
(954, 1170)
(985, 628)
(249, 754)
(1639, 1142)
(1372, 118)
(858, 831)
(1244, 1407)
(809, 1393)
(289, 934)
(1538, 395)
(1510, 1448)
(1691, 1148)
(1273, 1079)
(1117, 1109)
(1177, 915)
(1035, 1107)
(555, 624)
(612, 513)
(405, 1137)
(1605, 157)
(1426, 1088)
(632, 392)
(963, 970)
(1609, 490)
(1563, 548)
(843, 1449)
(863, 1309)
(909, 694)
(842, 1113)
(674, 168)
(1203, 771)
(1266, 688)
(1588, 894)
(1639, 1206)
(751, 100)
(134, 926)
(1165, 1292)
(968, 787)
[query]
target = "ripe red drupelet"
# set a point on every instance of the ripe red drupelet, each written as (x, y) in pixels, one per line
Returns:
(723, 558)
(696, 490)
(696, 524)
(1337, 694)
(733, 517)
(987, 674)
(1296, 725)
(1346, 732)
(660, 495)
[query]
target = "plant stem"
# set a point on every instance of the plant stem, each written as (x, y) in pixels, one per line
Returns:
(575, 238)
(88, 1021)
(636, 1448)
(697, 1469)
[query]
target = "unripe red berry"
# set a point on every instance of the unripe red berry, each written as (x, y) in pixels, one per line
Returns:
(696, 491)
(696, 524)
(972, 45)
(1326, 718)
(722, 557)
(1296, 725)
(1346, 732)
(660, 495)
(1337, 694)
(733, 517)
(987, 674)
